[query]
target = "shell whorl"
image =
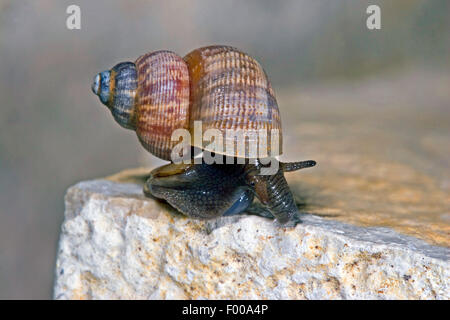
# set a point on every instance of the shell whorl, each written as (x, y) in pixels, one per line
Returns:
(163, 101)
(116, 89)
(230, 90)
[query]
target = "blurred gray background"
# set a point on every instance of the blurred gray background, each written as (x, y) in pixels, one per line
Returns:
(54, 132)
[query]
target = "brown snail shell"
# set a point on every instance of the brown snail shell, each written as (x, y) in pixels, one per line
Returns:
(221, 86)
(162, 100)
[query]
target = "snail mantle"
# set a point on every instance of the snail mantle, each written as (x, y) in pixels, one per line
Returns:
(117, 244)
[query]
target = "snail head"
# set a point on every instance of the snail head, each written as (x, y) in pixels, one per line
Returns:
(263, 184)
(273, 190)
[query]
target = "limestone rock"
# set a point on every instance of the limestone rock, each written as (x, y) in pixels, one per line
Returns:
(117, 244)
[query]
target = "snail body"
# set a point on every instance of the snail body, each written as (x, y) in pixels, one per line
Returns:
(201, 191)
(208, 191)
(225, 90)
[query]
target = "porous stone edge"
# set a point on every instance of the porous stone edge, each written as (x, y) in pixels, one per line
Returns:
(372, 239)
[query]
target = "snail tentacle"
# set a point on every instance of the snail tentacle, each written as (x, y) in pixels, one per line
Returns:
(294, 166)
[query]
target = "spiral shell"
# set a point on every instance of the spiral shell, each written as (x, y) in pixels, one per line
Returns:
(220, 86)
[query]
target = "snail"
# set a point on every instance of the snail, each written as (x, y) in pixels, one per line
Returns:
(208, 191)
(228, 93)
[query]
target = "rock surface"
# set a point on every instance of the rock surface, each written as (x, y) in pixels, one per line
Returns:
(384, 161)
(117, 244)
